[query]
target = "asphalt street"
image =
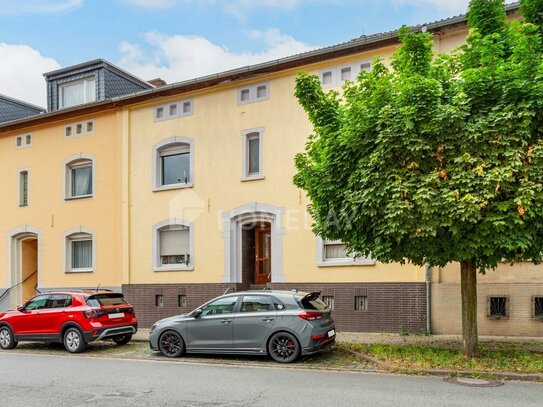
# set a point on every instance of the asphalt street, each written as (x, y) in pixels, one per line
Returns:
(40, 380)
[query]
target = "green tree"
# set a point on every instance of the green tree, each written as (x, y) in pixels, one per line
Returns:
(438, 159)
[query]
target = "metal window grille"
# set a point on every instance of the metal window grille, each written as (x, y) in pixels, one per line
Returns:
(159, 300)
(328, 300)
(181, 301)
(498, 307)
(361, 303)
(538, 307)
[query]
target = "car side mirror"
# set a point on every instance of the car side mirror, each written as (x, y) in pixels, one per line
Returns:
(197, 313)
(20, 308)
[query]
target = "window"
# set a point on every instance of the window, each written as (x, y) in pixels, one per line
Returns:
(252, 151)
(326, 78)
(77, 93)
(538, 307)
(79, 129)
(181, 301)
(173, 246)
(253, 93)
(173, 164)
(334, 253)
(23, 188)
(361, 303)
(498, 307)
(220, 306)
(366, 66)
(80, 252)
(79, 176)
(173, 110)
(329, 301)
(59, 301)
(36, 303)
(23, 141)
(256, 303)
(159, 300)
(346, 74)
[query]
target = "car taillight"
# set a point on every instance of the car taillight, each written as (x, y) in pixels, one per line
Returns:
(93, 313)
(129, 310)
(310, 315)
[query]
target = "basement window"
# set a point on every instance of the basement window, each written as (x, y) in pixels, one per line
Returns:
(159, 300)
(361, 303)
(538, 307)
(498, 307)
(181, 301)
(328, 300)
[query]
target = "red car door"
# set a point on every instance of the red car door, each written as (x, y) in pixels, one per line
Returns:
(29, 321)
(54, 314)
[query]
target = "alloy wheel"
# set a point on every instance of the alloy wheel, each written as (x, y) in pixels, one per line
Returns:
(73, 340)
(171, 344)
(5, 338)
(284, 348)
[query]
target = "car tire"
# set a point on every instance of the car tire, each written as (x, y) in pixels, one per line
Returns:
(122, 339)
(283, 347)
(7, 340)
(73, 341)
(171, 344)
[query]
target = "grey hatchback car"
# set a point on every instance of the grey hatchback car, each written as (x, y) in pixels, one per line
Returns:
(283, 324)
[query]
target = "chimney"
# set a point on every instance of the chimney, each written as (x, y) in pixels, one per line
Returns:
(157, 82)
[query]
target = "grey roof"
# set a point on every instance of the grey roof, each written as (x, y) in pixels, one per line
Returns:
(14, 109)
(353, 46)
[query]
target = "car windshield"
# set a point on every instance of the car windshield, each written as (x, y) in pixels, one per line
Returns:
(312, 302)
(105, 299)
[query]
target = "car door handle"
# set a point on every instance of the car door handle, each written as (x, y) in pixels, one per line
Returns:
(267, 319)
(226, 321)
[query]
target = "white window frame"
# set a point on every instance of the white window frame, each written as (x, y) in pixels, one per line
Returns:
(78, 234)
(180, 104)
(73, 126)
(23, 138)
(68, 165)
(159, 227)
(85, 96)
(157, 163)
(20, 187)
(337, 70)
(347, 261)
(246, 136)
(253, 93)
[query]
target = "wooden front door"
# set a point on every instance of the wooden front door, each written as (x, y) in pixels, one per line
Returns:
(263, 254)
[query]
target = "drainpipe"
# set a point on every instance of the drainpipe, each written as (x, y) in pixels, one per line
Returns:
(428, 304)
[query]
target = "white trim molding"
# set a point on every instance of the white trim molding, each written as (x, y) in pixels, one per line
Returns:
(157, 167)
(323, 262)
(67, 175)
(14, 238)
(157, 265)
(256, 92)
(246, 134)
(232, 225)
(66, 249)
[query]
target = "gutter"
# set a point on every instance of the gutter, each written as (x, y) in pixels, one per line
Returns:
(428, 270)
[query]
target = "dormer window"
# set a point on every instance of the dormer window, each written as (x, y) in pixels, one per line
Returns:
(77, 92)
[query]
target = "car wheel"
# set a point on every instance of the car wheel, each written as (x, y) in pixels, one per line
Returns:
(7, 340)
(122, 339)
(284, 347)
(171, 344)
(73, 341)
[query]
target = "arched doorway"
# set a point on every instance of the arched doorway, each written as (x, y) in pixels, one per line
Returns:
(24, 264)
(253, 244)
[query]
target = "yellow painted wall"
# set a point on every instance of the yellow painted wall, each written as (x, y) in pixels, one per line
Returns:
(47, 209)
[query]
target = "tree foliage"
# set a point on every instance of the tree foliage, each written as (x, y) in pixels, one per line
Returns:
(435, 159)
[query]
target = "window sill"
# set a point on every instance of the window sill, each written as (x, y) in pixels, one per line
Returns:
(75, 198)
(173, 186)
(497, 318)
(173, 268)
(344, 263)
(252, 178)
(75, 271)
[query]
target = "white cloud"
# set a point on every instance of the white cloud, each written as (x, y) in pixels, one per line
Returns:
(180, 57)
(452, 6)
(10, 7)
(22, 77)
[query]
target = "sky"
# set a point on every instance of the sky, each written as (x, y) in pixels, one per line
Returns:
(183, 39)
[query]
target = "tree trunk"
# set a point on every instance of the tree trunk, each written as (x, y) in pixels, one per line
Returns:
(468, 285)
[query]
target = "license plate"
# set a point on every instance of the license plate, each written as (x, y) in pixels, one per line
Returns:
(118, 315)
(331, 333)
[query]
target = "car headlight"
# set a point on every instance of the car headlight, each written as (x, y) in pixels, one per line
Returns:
(153, 327)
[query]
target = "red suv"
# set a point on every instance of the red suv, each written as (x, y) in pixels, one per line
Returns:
(72, 318)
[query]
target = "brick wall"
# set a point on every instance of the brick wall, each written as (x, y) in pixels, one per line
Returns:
(392, 307)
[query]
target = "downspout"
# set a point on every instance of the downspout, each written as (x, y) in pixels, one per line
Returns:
(428, 304)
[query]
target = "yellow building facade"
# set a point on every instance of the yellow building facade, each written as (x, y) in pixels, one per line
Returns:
(190, 195)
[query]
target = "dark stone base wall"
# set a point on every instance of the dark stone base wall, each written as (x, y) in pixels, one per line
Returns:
(392, 307)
